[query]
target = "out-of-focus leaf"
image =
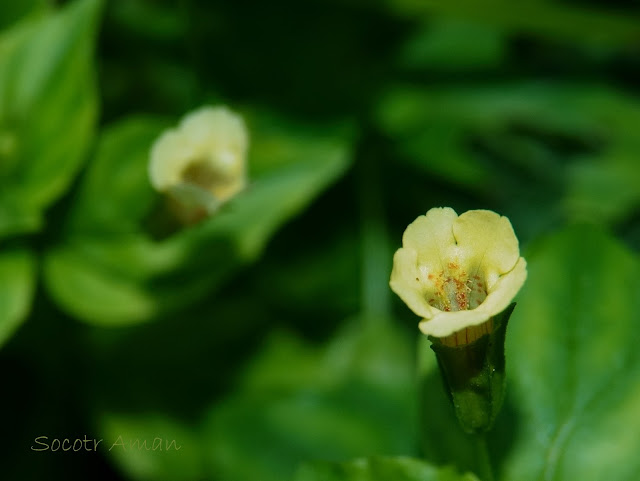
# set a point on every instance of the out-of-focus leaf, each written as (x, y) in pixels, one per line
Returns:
(46, 74)
(115, 193)
(573, 362)
(13, 10)
(436, 127)
(17, 284)
(125, 276)
(545, 18)
(573, 145)
(380, 469)
(606, 189)
(152, 447)
(91, 293)
(293, 280)
(451, 45)
(352, 398)
(162, 22)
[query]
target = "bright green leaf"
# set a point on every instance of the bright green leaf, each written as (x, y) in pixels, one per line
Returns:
(573, 362)
(17, 285)
(46, 74)
(102, 293)
(380, 469)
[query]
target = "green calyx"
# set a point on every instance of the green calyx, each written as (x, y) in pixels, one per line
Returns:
(474, 375)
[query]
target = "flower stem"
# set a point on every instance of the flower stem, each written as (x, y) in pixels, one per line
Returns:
(485, 472)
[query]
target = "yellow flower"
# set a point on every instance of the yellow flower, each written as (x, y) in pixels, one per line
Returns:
(458, 272)
(203, 160)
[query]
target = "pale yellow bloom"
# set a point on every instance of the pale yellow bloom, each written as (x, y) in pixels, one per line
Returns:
(203, 159)
(458, 272)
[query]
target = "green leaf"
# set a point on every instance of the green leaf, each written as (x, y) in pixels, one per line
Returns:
(17, 285)
(103, 295)
(573, 362)
(152, 446)
(380, 469)
(115, 194)
(352, 398)
(447, 120)
(162, 22)
(124, 275)
(606, 189)
(453, 45)
(13, 10)
(544, 18)
(46, 74)
(513, 143)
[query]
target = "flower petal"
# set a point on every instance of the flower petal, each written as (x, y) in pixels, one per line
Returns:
(446, 323)
(169, 155)
(216, 128)
(431, 235)
(505, 289)
(405, 282)
(487, 243)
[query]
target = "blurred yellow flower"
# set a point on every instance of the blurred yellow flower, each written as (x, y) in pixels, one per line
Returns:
(458, 272)
(203, 160)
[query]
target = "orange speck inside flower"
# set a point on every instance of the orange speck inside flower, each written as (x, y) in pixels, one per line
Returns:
(456, 290)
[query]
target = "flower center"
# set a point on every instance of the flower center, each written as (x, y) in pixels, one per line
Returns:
(202, 174)
(456, 290)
